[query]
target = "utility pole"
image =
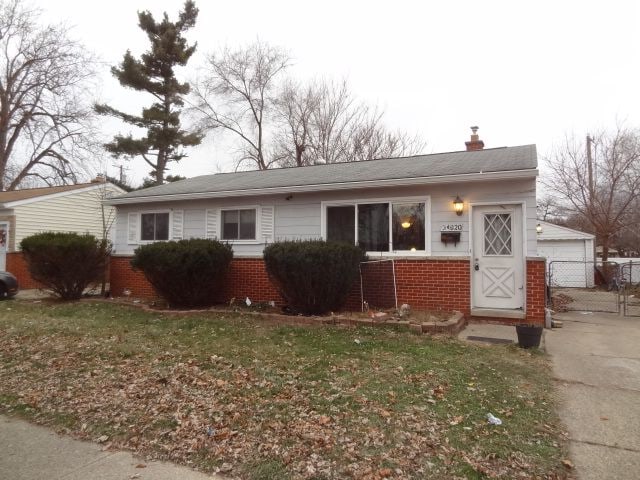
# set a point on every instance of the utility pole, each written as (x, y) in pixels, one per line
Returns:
(121, 168)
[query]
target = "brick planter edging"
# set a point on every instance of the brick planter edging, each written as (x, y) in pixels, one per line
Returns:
(449, 327)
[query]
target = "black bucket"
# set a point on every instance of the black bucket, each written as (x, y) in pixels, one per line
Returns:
(529, 335)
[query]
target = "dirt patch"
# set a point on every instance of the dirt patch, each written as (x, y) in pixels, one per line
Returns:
(560, 301)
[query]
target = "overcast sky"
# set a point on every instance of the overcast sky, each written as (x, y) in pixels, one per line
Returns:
(525, 72)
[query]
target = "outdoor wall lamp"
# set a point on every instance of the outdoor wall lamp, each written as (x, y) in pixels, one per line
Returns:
(458, 205)
(538, 228)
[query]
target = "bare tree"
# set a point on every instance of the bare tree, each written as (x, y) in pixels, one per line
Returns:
(324, 123)
(295, 108)
(279, 121)
(45, 121)
(236, 95)
(598, 181)
(549, 210)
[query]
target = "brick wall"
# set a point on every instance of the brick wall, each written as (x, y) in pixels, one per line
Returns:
(424, 284)
(536, 290)
(247, 277)
(124, 277)
(17, 265)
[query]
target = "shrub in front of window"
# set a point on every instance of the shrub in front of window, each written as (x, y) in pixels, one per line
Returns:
(186, 273)
(65, 263)
(313, 276)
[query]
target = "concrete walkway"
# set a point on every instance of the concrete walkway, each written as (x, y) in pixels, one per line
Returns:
(596, 362)
(30, 452)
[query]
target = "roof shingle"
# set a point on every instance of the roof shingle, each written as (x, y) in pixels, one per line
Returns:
(434, 165)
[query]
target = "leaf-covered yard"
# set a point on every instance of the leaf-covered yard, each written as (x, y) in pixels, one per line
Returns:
(256, 400)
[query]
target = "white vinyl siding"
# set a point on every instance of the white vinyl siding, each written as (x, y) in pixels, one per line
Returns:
(300, 216)
(78, 212)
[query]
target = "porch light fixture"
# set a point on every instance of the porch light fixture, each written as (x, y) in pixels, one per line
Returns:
(458, 205)
(538, 228)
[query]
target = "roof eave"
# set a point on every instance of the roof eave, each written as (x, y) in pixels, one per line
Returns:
(49, 196)
(466, 177)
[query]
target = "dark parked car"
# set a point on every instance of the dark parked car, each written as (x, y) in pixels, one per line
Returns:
(8, 285)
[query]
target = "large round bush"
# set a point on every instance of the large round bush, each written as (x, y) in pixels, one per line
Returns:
(186, 273)
(313, 276)
(65, 262)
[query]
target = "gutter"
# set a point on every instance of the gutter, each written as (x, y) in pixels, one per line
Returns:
(466, 177)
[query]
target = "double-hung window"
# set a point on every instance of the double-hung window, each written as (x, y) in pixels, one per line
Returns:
(394, 226)
(239, 224)
(154, 226)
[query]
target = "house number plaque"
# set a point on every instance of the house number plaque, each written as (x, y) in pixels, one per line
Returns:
(451, 227)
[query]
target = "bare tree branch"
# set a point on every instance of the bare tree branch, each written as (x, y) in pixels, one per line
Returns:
(235, 96)
(608, 203)
(45, 121)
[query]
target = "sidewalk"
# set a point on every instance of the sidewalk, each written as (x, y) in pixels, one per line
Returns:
(30, 452)
(596, 363)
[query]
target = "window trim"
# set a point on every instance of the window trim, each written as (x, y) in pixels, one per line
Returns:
(139, 230)
(255, 241)
(426, 200)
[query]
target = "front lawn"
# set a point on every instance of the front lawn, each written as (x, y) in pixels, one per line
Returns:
(235, 394)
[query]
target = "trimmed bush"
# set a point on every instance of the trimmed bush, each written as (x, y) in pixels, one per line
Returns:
(65, 262)
(186, 273)
(313, 276)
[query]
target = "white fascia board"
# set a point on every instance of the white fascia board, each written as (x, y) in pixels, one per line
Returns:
(27, 201)
(572, 233)
(467, 177)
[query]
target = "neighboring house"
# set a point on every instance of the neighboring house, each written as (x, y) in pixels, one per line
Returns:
(570, 255)
(67, 208)
(483, 262)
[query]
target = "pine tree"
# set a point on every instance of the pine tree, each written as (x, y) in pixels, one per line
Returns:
(153, 73)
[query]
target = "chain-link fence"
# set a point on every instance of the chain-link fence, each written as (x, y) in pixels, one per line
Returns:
(584, 285)
(630, 275)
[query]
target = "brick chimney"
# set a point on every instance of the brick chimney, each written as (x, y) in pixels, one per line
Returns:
(475, 143)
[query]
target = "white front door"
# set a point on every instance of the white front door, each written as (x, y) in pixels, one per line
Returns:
(4, 241)
(497, 277)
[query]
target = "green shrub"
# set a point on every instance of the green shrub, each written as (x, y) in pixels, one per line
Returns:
(66, 263)
(186, 273)
(313, 276)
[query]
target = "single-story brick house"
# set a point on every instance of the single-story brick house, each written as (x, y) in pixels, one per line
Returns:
(65, 208)
(460, 226)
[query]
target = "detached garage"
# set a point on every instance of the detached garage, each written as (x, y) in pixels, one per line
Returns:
(570, 255)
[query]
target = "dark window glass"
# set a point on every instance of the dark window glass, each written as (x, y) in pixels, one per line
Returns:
(148, 226)
(162, 226)
(230, 224)
(341, 224)
(373, 227)
(239, 224)
(155, 226)
(408, 226)
(247, 224)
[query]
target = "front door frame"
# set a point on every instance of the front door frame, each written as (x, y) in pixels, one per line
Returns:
(523, 210)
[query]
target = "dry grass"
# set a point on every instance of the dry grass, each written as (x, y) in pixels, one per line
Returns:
(233, 394)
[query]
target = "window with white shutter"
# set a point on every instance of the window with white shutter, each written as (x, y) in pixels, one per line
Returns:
(177, 226)
(267, 214)
(132, 228)
(212, 223)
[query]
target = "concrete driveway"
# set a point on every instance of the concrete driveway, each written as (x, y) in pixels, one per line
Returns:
(596, 362)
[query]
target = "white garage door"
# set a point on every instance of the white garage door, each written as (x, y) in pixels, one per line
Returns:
(575, 272)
